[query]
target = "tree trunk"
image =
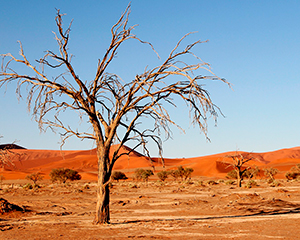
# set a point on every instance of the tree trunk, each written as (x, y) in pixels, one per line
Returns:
(102, 208)
(239, 179)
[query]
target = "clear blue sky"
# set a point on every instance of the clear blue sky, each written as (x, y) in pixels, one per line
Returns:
(255, 45)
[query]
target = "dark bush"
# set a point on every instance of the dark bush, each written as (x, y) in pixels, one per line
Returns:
(187, 172)
(180, 172)
(117, 175)
(211, 182)
(63, 174)
(294, 173)
(163, 175)
(183, 173)
(174, 174)
(6, 206)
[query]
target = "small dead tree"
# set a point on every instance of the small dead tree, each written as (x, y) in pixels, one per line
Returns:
(35, 177)
(114, 108)
(253, 172)
(237, 162)
(6, 155)
(270, 173)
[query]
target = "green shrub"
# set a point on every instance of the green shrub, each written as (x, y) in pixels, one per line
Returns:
(63, 174)
(142, 174)
(251, 183)
(160, 183)
(163, 175)
(230, 182)
(247, 174)
(180, 170)
(187, 172)
(231, 174)
(270, 173)
(174, 174)
(117, 175)
(275, 184)
(211, 182)
(254, 172)
(183, 173)
(200, 183)
(28, 186)
(188, 182)
(34, 177)
(31, 186)
(133, 185)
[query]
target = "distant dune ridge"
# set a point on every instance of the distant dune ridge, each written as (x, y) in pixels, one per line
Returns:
(27, 161)
(10, 146)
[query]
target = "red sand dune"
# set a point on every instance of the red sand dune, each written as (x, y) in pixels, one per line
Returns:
(85, 162)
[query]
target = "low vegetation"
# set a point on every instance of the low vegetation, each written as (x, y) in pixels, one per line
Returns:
(34, 177)
(270, 173)
(238, 162)
(163, 175)
(251, 183)
(229, 182)
(248, 173)
(180, 172)
(211, 182)
(143, 174)
(63, 174)
(117, 175)
(294, 173)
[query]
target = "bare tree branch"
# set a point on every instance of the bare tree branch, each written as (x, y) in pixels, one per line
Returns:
(114, 108)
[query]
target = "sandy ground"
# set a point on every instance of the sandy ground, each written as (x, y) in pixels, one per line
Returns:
(154, 210)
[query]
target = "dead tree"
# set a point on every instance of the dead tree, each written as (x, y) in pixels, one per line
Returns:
(7, 155)
(114, 108)
(238, 161)
(270, 173)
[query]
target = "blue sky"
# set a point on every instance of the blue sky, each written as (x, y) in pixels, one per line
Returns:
(255, 45)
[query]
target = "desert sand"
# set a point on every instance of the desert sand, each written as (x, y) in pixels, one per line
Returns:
(206, 207)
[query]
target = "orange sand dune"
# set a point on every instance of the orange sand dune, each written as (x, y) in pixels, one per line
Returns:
(85, 162)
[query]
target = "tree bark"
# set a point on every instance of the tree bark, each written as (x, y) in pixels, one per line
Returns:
(239, 181)
(102, 208)
(239, 178)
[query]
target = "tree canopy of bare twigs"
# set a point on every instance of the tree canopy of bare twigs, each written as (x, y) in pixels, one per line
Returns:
(270, 173)
(238, 161)
(114, 107)
(6, 155)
